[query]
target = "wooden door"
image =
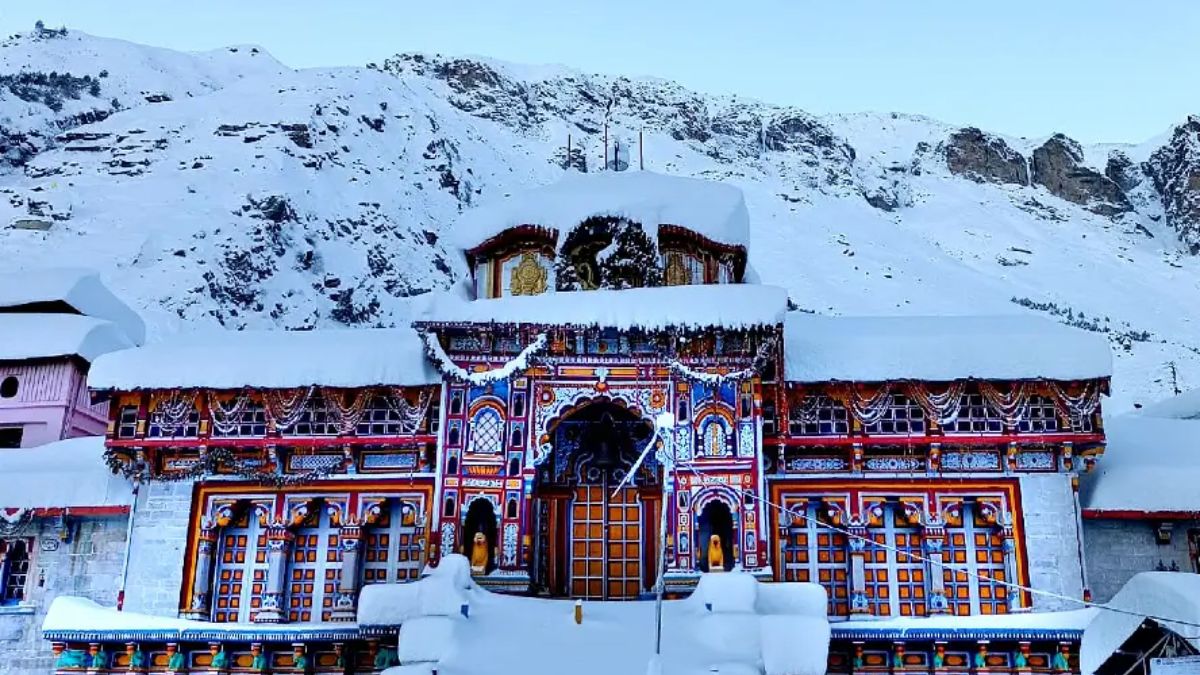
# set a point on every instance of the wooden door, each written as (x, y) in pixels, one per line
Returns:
(606, 543)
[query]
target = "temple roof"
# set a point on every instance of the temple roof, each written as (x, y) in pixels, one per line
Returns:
(69, 289)
(696, 307)
(341, 357)
(714, 210)
(40, 336)
(940, 349)
(1174, 595)
(64, 474)
(1150, 466)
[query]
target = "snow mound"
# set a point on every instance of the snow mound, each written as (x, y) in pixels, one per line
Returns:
(235, 359)
(1173, 595)
(940, 349)
(396, 604)
(1141, 452)
(784, 654)
(796, 599)
(714, 210)
(727, 592)
(425, 639)
(63, 474)
(456, 568)
(76, 289)
(41, 336)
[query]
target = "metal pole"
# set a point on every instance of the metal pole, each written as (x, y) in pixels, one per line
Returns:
(660, 586)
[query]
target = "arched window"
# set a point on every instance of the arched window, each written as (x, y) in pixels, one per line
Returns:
(241, 572)
(511, 509)
(14, 571)
(487, 432)
(714, 437)
(9, 386)
(316, 566)
(392, 545)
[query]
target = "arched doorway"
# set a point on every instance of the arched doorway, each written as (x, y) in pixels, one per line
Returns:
(715, 519)
(594, 541)
(480, 520)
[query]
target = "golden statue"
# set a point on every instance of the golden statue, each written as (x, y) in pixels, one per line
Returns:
(528, 277)
(716, 557)
(676, 272)
(479, 553)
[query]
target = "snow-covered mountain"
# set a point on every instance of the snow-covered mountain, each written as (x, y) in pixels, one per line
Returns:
(225, 189)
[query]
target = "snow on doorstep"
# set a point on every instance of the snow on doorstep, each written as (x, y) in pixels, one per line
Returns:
(1171, 595)
(1185, 406)
(235, 359)
(940, 349)
(41, 336)
(63, 474)
(79, 289)
(1150, 465)
(715, 305)
(714, 210)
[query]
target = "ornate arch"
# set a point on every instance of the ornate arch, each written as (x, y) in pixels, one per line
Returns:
(720, 493)
(557, 402)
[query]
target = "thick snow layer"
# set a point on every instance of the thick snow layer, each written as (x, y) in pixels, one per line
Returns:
(1150, 465)
(235, 359)
(63, 474)
(1185, 406)
(34, 336)
(718, 305)
(709, 208)
(735, 593)
(939, 349)
(79, 289)
(1075, 619)
(783, 654)
(72, 614)
(1170, 595)
(426, 639)
(791, 598)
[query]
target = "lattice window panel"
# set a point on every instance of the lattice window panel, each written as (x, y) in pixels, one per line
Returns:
(380, 419)
(894, 569)
(976, 416)
(814, 553)
(315, 569)
(831, 419)
(975, 549)
(241, 572)
(487, 432)
(1040, 417)
(902, 416)
(714, 439)
(392, 546)
(189, 429)
(1084, 425)
(251, 423)
(14, 574)
(127, 422)
(318, 419)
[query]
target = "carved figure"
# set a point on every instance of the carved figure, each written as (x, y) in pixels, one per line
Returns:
(479, 553)
(716, 557)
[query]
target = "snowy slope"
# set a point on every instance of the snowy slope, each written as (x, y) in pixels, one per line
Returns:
(259, 196)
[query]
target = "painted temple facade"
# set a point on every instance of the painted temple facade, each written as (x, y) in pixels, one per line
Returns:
(609, 386)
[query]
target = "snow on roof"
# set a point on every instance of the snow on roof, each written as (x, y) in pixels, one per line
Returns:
(64, 474)
(977, 624)
(341, 357)
(1143, 452)
(940, 349)
(1173, 595)
(1185, 406)
(715, 305)
(80, 289)
(714, 210)
(39, 336)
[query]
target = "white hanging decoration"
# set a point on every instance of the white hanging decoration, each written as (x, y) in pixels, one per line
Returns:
(410, 414)
(1078, 407)
(941, 407)
(171, 411)
(712, 379)
(226, 420)
(870, 410)
(510, 369)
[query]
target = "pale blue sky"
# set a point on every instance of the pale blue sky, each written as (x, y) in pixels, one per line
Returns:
(1099, 70)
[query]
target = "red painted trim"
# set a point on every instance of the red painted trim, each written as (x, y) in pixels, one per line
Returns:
(907, 441)
(332, 442)
(1101, 514)
(94, 511)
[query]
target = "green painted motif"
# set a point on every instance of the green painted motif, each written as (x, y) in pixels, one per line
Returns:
(980, 660)
(220, 660)
(386, 658)
(137, 660)
(1020, 661)
(1060, 662)
(72, 658)
(259, 664)
(175, 663)
(938, 660)
(100, 660)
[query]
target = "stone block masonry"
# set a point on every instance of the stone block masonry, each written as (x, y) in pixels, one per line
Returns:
(1052, 540)
(159, 542)
(1118, 549)
(87, 564)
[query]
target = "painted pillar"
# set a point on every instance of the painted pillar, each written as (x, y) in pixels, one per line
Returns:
(202, 575)
(1016, 597)
(279, 546)
(345, 600)
(858, 570)
(933, 537)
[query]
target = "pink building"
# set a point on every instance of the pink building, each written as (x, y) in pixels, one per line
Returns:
(53, 323)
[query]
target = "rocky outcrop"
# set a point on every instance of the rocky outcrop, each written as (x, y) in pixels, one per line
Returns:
(1058, 166)
(982, 157)
(1175, 171)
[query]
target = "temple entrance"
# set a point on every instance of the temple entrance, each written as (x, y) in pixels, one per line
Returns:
(716, 520)
(594, 541)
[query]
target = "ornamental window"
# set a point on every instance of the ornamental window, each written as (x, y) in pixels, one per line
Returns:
(1041, 416)
(894, 568)
(1084, 424)
(392, 545)
(975, 416)
(387, 416)
(813, 551)
(818, 415)
(241, 570)
(486, 432)
(173, 419)
(975, 573)
(901, 416)
(127, 422)
(14, 570)
(248, 422)
(316, 567)
(318, 419)
(714, 438)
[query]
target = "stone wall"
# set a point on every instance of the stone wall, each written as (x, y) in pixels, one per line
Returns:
(1118, 549)
(160, 533)
(89, 565)
(1052, 539)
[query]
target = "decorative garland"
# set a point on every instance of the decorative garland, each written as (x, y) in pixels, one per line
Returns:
(282, 411)
(227, 420)
(210, 462)
(870, 409)
(761, 358)
(941, 407)
(1012, 406)
(517, 366)
(1076, 407)
(410, 415)
(170, 410)
(14, 523)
